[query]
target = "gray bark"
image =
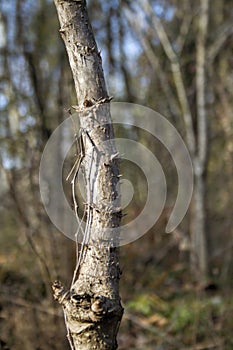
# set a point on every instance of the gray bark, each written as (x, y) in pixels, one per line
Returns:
(92, 306)
(199, 239)
(199, 263)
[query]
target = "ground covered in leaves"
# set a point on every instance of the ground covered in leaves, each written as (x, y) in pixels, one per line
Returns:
(170, 313)
(164, 308)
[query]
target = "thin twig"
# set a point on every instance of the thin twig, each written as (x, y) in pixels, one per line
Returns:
(86, 234)
(25, 303)
(69, 337)
(76, 166)
(77, 251)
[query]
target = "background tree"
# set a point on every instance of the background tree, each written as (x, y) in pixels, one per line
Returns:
(163, 301)
(186, 92)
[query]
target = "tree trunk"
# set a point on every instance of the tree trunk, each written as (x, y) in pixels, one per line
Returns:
(92, 306)
(199, 260)
(197, 144)
(199, 265)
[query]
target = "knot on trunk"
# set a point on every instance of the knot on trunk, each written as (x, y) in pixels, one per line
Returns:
(92, 308)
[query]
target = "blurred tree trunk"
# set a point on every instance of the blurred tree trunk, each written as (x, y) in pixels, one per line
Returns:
(92, 306)
(199, 263)
(196, 136)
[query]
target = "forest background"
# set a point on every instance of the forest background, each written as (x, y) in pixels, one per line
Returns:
(169, 304)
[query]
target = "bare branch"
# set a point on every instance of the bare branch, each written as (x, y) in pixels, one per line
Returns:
(92, 307)
(224, 33)
(177, 74)
(154, 61)
(82, 50)
(184, 28)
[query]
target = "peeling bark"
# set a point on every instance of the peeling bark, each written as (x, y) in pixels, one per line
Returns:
(92, 306)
